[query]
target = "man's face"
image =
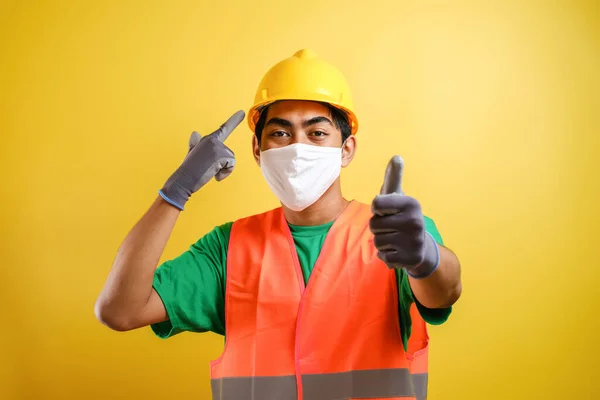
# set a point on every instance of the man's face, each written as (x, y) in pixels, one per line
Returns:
(307, 122)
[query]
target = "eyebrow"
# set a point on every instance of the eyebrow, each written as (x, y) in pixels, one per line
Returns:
(279, 121)
(316, 120)
(308, 122)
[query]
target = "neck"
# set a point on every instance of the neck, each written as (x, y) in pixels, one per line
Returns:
(324, 210)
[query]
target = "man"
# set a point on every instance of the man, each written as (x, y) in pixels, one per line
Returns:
(321, 298)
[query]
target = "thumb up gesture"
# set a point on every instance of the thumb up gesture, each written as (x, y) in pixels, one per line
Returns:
(399, 228)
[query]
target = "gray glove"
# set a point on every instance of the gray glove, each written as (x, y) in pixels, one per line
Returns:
(207, 157)
(399, 228)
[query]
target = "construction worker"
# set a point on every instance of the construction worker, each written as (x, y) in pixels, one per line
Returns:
(322, 298)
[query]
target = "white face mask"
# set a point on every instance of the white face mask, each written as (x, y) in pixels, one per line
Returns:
(299, 174)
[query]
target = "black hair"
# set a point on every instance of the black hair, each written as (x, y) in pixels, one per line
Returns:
(340, 120)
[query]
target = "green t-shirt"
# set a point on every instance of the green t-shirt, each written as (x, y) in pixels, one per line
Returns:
(192, 286)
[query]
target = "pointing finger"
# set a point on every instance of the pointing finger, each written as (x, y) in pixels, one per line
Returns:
(223, 132)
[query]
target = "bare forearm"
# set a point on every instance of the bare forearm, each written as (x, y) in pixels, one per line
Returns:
(128, 300)
(129, 284)
(442, 288)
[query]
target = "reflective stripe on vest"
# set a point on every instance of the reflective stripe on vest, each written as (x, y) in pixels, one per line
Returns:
(386, 383)
(336, 338)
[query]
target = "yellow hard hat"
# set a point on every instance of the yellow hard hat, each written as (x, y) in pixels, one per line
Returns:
(304, 76)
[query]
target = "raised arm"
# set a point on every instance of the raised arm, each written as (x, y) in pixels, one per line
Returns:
(402, 241)
(128, 300)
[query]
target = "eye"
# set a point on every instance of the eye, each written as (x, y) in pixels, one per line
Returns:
(319, 133)
(278, 134)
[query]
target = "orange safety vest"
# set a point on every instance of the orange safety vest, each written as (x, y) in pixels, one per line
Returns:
(337, 338)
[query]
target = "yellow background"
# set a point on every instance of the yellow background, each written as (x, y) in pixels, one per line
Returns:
(494, 106)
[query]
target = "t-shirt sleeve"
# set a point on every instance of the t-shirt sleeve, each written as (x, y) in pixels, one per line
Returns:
(406, 296)
(192, 286)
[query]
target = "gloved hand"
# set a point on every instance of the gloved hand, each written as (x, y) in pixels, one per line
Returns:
(399, 228)
(207, 157)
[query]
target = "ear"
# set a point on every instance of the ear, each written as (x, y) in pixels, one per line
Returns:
(348, 150)
(256, 150)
